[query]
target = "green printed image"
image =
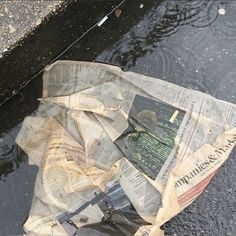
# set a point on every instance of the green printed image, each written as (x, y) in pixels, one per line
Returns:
(150, 137)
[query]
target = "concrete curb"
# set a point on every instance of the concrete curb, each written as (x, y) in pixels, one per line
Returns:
(58, 30)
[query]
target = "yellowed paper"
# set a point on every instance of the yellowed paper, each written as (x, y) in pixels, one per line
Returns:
(107, 141)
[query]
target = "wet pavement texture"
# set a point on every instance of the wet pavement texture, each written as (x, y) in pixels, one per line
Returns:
(18, 18)
(59, 29)
(189, 43)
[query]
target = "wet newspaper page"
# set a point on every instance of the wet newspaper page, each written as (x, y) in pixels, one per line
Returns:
(156, 144)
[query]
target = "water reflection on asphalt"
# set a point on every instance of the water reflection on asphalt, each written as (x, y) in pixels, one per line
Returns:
(190, 44)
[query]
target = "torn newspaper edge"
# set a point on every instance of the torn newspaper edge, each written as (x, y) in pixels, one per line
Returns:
(120, 148)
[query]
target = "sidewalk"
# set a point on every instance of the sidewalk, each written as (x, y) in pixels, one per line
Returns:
(19, 18)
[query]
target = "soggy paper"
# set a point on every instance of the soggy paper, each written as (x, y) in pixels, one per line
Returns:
(120, 147)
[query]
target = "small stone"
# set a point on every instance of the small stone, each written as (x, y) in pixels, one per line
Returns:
(50, 7)
(6, 10)
(38, 22)
(118, 12)
(221, 11)
(5, 50)
(141, 6)
(11, 29)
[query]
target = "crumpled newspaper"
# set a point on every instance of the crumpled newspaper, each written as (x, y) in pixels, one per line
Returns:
(119, 148)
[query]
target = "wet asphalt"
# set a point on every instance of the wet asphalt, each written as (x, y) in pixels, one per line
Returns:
(189, 43)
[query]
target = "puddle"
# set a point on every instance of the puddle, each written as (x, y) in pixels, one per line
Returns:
(192, 44)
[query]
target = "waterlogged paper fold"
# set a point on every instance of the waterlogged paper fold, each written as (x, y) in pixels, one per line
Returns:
(119, 148)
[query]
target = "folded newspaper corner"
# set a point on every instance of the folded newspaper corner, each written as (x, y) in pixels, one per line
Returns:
(119, 150)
